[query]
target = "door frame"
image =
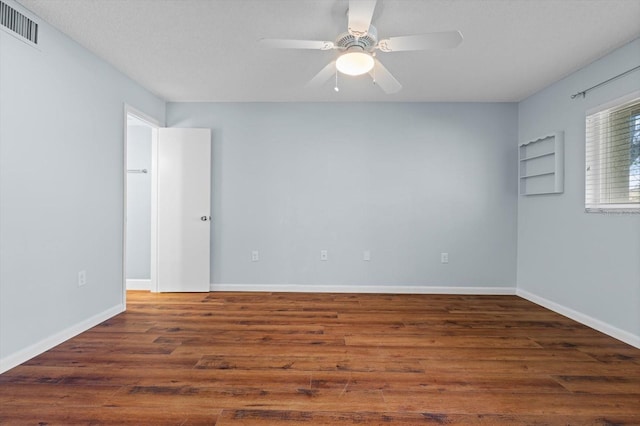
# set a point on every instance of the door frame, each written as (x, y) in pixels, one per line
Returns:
(155, 125)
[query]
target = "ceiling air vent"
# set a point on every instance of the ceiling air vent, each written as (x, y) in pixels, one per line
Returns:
(17, 23)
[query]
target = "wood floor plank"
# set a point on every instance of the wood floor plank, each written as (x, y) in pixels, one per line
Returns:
(440, 381)
(513, 403)
(309, 363)
(232, 358)
(226, 378)
(25, 414)
(417, 340)
(601, 384)
(302, 398)
(55, 394)
(539, 367)
(239, 349)
(288, 418)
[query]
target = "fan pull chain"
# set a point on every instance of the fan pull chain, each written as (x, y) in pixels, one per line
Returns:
(374, 74)
(336, 88)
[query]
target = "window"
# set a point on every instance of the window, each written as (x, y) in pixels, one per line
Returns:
(613, 157)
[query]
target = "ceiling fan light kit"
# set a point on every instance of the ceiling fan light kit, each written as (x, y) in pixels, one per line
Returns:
(355, 63)
(358, 46)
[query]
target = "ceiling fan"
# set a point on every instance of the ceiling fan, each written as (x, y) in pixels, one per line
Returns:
(358, 47)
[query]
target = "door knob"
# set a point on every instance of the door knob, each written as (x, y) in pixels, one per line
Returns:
(204, 218)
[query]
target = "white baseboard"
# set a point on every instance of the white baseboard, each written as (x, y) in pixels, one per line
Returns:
(44, 345)
(587, 320)
(386, 289)
(138, 284)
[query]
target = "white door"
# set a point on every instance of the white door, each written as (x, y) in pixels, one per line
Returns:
(184, 216)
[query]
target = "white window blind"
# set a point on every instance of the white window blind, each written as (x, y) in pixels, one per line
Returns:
(613, 157)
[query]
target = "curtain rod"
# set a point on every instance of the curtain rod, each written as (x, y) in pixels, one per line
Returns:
(584, 92)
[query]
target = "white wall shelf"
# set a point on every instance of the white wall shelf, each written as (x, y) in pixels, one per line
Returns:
(541, 165)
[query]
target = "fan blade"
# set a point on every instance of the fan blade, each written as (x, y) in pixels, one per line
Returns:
(360, 14)
(383, 78)
(279, 43)
(440, 40)
(325, 74)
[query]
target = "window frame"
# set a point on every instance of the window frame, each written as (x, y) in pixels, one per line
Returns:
(596, 188)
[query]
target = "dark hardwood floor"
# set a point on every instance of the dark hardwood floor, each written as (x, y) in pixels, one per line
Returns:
(290, 359)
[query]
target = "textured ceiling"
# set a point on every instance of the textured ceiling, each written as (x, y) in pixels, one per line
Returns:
(206, 50)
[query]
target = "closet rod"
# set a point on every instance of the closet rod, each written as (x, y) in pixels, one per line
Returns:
(584, 92)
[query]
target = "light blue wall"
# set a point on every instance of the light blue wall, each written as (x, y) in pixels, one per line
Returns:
(61, 186)
(406, 181)
(139, 203)
(589, 263)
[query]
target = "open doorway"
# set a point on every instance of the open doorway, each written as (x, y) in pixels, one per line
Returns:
(140, 178)
(167, 207)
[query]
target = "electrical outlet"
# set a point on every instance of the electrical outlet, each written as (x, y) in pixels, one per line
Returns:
(324, 255)
(366, 255)
(82, 278)
(444, 257)
(255, 256)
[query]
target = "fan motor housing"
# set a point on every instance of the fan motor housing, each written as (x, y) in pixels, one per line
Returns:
(346, 41)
